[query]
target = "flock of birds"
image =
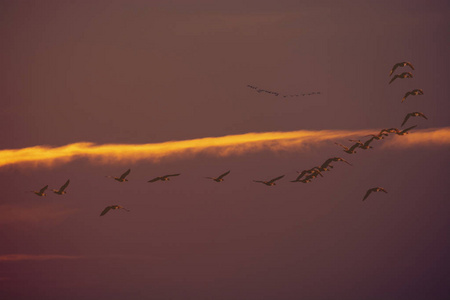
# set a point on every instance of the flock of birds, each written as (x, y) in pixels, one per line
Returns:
(277, 94)
(304, 176)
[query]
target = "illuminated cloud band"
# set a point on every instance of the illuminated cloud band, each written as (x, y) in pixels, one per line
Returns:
(216, 146)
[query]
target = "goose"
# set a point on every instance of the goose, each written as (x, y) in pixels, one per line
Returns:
(61, 190)
(270, 182)
(350, 150)
(413, 93)
(122, 177)
(41, 191)
(405, 131)
(375, 189)
(163, 178)
(403, 75)
(112, 207)
(389, 130)
(330, 160)
(220, 178)
(414, 114)
(313, 172)
(379, 136)
(401, 64)
(364, 145)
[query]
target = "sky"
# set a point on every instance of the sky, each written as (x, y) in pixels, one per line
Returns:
(90, 89)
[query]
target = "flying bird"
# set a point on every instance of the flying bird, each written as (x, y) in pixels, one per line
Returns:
(379, 136)
(375, 189)
(414, 114)
(403, 75)
(350, 150)
(389, 130)
(122, 177)
(401, 64)
(112, 207)
(405, 131)
(270, 182)
(313, 174)
(220, 178)
(365, 145)
(41, 191)
(61, 190)
(163, 178)
(330, 160)
(413, 93)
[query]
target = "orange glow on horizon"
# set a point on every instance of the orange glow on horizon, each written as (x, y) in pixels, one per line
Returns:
(216, 146)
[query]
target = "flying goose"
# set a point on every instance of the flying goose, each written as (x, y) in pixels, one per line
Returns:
(61, 190)
(405, 131)
(413, 93)
(401, 64)
(403, 75)
(364, 145)
(112, 207)
(375, 189)
(122, 177)
(312, 172)
(350, 150)
(414, 114)
(220, 178)
(270, 182)
(163, 178)
(41, 191)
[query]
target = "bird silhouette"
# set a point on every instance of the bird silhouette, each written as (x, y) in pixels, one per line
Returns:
(401, 64)
(61, 190)
(313, 173)
(350, 150)
(413, 93)
(403, 75)
(108, 208)
(270, 182)
(375, 189)
(163, 178)
(414, 114)
(379, 136)
(41, 191)
(365, 145)
(122, 177)
(220, 178)
(405, 131)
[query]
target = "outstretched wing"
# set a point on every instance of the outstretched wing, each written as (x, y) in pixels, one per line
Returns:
(122, 177)
(422, 115)
(43, 189)
(341, 146)
(393, 78)
(171, 175)
(382, 190)
(394, 67)
(406, 119)
(259, 181)
(407, 129)
(406, 95)
(367, 194)
(343, 160)
(105, 210)
(154, 179)
(410, 65)
(223, 175)
(275, 179)
(61, 189)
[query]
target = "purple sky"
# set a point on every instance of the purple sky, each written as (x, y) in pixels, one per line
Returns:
(154, 71)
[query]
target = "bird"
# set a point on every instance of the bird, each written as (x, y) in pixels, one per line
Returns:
(379, 136)
(375, 189)
(162, 178)
(413, 93)
(220, 178)
(313, 172)
(364, 145)
(41, 191)
(112, 207)
(405, 131)
(61, 190)
(403, 75)
(401, 64)
(414, 114)
(270, 182)
(330, 160)
(350, 150)
(122, 177)
(389, 130)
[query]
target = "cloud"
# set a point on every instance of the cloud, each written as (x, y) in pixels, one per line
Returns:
(46, 213)
(21, 257)
(216, 146)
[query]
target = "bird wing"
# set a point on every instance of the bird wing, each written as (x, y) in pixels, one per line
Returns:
(154, 179)
(122, 177)
(328, 161)
(422, 115)
(393, 78)
(275, 179)
(352, 148)
(258, 181)
(394, 67)
(341, 159)
(43, 189)
(62, 188)
(406, 119)
(366, 143)
(105, 210)
(406, 95)
(223, 175)
(410, 65)
(341, 146)
(367, 194)
(409, 128)
(171, 175)
(383, 190)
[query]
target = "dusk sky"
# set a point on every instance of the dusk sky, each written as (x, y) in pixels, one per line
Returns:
(90, 89)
